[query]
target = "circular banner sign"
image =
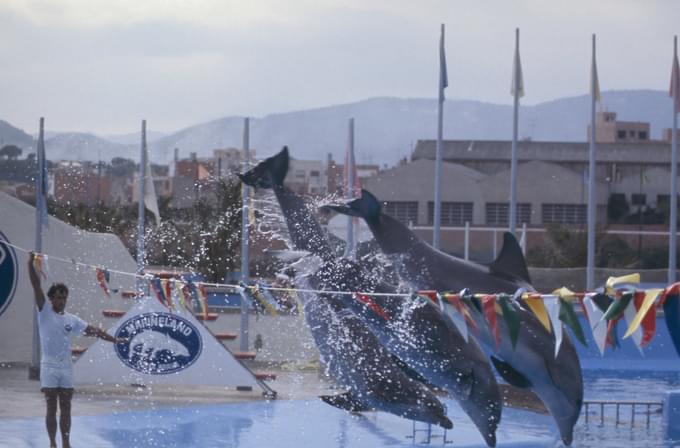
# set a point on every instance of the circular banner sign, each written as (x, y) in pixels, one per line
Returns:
(158, 343)
(8, 273)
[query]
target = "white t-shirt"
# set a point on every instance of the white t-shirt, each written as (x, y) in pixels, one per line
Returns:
(55, 335)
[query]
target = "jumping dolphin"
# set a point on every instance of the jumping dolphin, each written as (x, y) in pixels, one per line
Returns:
(531, 364)
(418, 334)
(357, 360)
(353, 355)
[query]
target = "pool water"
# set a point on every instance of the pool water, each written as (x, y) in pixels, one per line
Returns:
(307, 423)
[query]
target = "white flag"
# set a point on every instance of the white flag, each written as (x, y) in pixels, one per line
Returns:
(595, 315)
(594, 81)
(629, 314)
(517, 78)
(552, 303)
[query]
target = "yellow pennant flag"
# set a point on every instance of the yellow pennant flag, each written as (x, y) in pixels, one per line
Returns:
(650, 297)
(535, 303)
(613, 281)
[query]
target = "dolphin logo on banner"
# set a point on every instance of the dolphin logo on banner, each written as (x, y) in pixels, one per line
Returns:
(8, 273)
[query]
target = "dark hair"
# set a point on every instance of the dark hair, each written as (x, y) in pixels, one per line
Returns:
(57, 288)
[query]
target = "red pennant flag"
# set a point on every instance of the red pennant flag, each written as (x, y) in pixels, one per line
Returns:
(188, 297)
(489, 307)
(432, 295)
(675, 78)
(102, 278)
(167, 285)
(671, 290)
(648, 321)
(377, 309)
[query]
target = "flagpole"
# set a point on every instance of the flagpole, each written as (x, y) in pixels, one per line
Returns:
(40, 212)
(673, 228)
(349, 193)
(515, 119)
(245, 255)
(594, 88)
(440, 126)
(140, 207)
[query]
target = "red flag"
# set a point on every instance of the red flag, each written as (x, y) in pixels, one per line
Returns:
(648, 321)
(102, 278)
(489, 307)
(377, 309)
(675, 78)
(432, 295)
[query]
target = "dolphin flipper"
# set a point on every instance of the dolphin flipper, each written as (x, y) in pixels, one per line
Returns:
(346, 402)
(510, 262)
(269, 173)
(509, 374)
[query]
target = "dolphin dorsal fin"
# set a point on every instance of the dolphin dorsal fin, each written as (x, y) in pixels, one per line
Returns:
(510, 261)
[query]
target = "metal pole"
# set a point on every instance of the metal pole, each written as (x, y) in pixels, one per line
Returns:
(141, 208)
(34, 368)
(513, 158)
(467, 240)
(349, 162)
(673, 228)
(438, 163)
(590, 271)
(245, 259)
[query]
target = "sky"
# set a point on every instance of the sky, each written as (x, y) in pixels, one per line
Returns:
(102, 66)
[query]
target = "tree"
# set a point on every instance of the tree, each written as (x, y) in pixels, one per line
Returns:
(10, 152)
(617, 207)
(121, 167)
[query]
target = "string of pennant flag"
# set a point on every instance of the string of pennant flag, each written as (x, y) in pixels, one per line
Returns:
(620, 300)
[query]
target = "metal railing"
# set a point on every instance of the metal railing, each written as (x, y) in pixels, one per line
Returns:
(631, 409)
(428, 436)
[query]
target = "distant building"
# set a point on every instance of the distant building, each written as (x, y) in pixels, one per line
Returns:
(307, 177)
(609, 130)
(80, 183)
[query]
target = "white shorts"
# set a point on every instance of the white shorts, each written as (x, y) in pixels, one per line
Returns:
(52, 377)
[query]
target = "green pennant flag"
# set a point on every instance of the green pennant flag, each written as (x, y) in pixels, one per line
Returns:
(568, 316)
(616, 308)
(511, 317)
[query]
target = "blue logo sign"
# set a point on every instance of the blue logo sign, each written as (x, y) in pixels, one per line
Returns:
(158, 343)
(8, 273)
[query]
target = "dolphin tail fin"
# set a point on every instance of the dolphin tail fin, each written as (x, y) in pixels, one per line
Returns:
(346, 402)
(269, 173)
(510, 261)
(367, 207)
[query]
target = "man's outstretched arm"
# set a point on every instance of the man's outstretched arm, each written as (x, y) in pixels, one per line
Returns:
(101, 334)
(35, 282)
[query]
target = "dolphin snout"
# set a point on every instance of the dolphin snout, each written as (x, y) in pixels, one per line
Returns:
(445, 422)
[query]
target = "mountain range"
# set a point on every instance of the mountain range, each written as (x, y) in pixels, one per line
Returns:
(386, 129)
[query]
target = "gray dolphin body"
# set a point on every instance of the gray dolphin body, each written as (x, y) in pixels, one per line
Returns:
(531, 364)
(419, 334)
(353, 355)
